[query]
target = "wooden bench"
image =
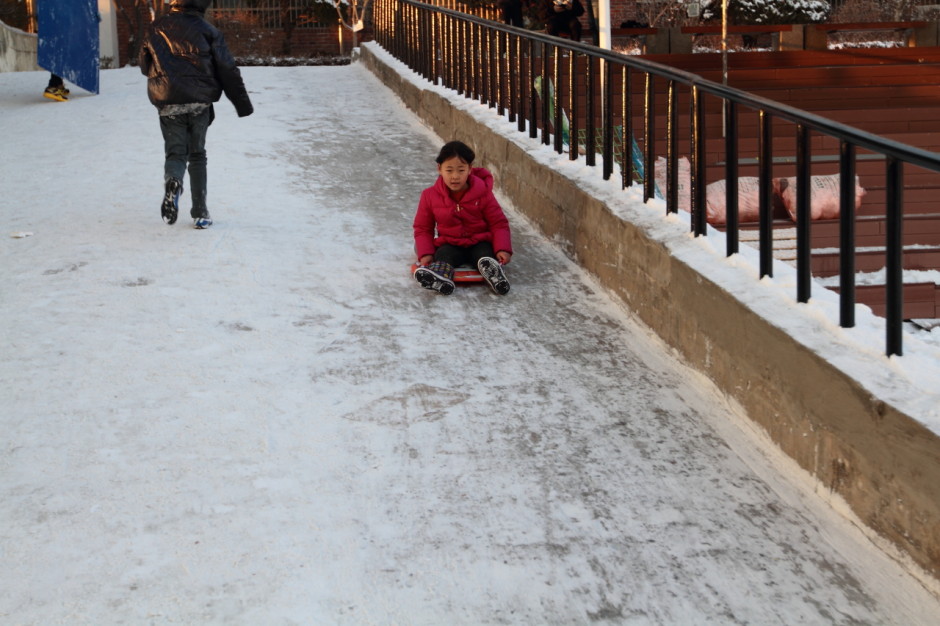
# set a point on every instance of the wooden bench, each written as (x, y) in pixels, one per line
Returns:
(818, 35)
(745, 32)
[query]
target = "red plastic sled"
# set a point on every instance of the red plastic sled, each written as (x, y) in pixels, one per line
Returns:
(462, 274)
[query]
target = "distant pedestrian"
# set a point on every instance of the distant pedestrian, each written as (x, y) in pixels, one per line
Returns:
(56, 90)
(562, 18)
(510, 12)
(458, 222)
(188, 67)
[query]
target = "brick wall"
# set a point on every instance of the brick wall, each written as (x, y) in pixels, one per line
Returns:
(305, 42)
(622, 11)
(133, 17)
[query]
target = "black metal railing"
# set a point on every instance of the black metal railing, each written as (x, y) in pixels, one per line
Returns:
(584, 99)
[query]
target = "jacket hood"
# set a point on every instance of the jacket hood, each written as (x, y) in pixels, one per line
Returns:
(183, 5)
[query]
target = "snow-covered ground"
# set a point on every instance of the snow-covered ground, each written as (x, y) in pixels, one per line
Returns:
(269, 422)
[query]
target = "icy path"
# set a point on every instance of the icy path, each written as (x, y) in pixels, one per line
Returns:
(269, 423)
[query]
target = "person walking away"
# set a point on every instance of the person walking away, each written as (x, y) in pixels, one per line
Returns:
(458, 222)
(510, 12)
(188, 67)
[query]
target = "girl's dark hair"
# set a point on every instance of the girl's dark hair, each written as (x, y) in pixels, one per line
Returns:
(457, 149)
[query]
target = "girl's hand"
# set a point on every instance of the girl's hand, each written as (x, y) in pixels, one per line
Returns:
(426, 259)
(503, 257)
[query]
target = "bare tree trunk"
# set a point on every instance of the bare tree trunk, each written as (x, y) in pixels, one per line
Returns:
(138, 18)
(288, 25)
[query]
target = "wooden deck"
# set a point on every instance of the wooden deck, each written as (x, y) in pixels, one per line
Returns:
(891, 92)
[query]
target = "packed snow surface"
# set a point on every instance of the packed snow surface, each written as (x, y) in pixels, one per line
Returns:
(270, 422)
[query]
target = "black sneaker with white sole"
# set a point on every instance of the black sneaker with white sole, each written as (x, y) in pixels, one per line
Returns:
(432, 280)
(171, 198)
(492, 273)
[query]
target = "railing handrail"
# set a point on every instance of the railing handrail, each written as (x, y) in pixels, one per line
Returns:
(424, 54)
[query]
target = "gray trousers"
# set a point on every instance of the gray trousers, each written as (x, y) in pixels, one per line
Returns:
(184, 140)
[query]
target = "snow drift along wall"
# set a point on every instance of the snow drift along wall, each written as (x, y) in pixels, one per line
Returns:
(17, 50)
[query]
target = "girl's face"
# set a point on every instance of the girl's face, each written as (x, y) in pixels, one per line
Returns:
(455, 173)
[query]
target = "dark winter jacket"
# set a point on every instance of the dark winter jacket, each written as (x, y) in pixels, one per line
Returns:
(477, 217)
(185, 60)
(561, 18)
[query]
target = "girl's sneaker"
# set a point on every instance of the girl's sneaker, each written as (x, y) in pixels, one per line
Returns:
(492, 273)
(430, 279)
(202, 222)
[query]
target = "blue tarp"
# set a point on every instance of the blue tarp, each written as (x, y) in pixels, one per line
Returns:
(68, 40)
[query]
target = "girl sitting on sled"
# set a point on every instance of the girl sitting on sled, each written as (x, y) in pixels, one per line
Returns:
(459, 222)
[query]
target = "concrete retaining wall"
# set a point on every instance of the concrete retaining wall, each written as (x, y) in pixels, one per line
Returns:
(17, 50)
(885, 464)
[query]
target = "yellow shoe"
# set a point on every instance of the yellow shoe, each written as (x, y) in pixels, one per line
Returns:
(59, 94)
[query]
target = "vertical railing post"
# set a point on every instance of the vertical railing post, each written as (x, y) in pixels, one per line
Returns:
(573, 91)
(454, 53)
(530, 87)
(513, 76)
(496, 72)
(731, 177)
(699, 223)
(846, 235)
(503, 96)
(766, 191)
(546, 83)
(469, 51)
(446, 65)
(483, 60)
(894, 263)
(626, 113)
(803, 216)
(413, 41)
(437, 47)
(476, 56)
(649, 129)
(607, 115)
(459, 57)
(557, 107)
(590, 105)
(521, 82)
(672, 148)
(486, 67)
(429, 58)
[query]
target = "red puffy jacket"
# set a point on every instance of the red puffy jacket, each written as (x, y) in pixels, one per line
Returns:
(478, 217)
